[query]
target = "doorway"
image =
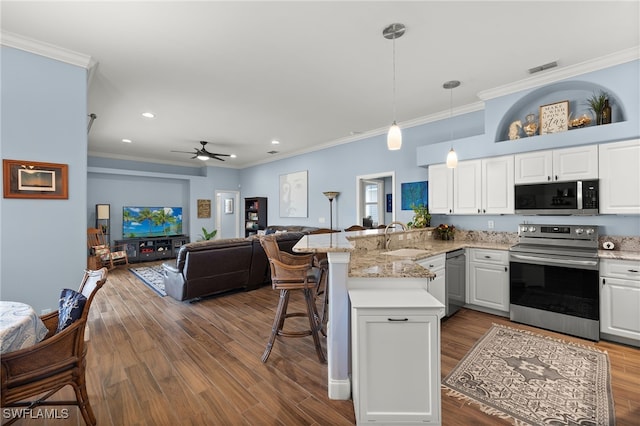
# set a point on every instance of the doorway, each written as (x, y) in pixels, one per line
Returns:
(227, 214)
(372, 192)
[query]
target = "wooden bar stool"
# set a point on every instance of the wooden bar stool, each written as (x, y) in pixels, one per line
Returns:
(293, 272)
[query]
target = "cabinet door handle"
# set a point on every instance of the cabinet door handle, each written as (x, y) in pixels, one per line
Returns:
(633, 270)
(431, 266)
(487, 257)
(398, 319)
(556, 177)
(484, 210)
(478, 210)
(548, 177)
(505, 269)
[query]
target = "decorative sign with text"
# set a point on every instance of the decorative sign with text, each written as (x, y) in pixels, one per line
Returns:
(554, 118)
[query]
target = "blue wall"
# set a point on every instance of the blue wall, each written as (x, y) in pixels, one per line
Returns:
(44, 118)
(336, 168)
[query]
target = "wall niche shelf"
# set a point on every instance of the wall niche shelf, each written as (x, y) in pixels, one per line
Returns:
(576, 92)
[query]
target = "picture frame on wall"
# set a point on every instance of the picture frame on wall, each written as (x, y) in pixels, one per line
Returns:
(293, 194)
(204, 209)
(32, 179)
(414, 194)
(554, 118)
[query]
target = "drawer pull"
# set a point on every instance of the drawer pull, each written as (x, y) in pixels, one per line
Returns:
(487, 257)
(431, 265)
(398, 319)
(633, 270)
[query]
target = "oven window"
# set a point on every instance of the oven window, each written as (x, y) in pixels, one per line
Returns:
(558, 289)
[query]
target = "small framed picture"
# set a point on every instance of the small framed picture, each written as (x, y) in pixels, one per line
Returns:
(31, 179)
(204, 209)
(554, 118)
(228, 206)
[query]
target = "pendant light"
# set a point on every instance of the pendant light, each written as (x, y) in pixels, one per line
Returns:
(452, 157)
(394, 137)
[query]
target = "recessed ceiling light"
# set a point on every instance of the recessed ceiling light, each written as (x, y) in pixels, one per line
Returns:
(275, 142)
(126, 140)
(233, 156)
(148, 115)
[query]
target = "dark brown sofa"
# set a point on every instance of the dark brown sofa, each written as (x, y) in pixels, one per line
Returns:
(205, 268)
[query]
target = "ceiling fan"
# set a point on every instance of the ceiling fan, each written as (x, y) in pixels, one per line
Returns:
(203, 154)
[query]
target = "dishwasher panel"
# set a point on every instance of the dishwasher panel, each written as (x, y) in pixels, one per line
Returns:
(455, 278)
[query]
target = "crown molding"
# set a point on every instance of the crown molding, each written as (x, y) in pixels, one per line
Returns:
(47, 50)
(558, 74)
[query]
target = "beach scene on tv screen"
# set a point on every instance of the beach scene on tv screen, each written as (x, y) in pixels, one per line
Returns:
(151, 221)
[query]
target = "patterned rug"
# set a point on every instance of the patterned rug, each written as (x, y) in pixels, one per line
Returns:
(152, 277)
(534, 380)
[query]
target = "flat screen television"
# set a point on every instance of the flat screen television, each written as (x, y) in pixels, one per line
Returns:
(151, 221)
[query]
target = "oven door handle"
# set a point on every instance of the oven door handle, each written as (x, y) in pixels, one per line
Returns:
(586, 264)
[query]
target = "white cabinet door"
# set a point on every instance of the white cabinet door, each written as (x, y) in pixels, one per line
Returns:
(579, 163)
(488, 283)
(440, 189)
(497, 185)
(395, 357)
(467, 187)
(620, 308)
(620, 177)
(533, 167)
(436, 286)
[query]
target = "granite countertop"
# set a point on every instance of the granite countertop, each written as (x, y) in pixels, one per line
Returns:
(368, 260)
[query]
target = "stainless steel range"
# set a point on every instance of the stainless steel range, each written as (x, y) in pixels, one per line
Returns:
(553, 279)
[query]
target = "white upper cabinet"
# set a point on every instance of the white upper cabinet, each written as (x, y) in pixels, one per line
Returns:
(497, 185)
(620, 177)
(580, 163)
(440, 189)
(484, 186)
(467, 184)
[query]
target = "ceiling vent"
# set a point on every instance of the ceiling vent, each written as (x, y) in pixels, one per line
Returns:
(543, 67)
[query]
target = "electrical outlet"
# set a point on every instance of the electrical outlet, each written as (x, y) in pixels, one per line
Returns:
(321, 220)
(490, 224)
(400, 237)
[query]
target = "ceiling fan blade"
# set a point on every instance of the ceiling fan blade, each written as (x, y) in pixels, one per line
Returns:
(186, 152)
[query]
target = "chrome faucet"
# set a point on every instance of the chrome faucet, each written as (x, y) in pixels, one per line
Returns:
(386, 230)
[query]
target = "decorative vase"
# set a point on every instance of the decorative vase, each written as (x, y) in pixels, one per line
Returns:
(530, 126)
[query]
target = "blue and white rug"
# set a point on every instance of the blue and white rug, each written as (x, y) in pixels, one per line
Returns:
(152, 277)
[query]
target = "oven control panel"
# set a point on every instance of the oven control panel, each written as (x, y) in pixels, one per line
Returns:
(574, 232)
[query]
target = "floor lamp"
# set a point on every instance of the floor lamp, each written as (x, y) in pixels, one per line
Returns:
(331, 195)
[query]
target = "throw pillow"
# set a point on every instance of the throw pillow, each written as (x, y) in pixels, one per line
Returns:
(70, 308)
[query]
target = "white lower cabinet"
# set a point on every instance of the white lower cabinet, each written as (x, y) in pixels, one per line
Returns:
(395, 357)
(436, 286)
(620, 301)
(488, 280)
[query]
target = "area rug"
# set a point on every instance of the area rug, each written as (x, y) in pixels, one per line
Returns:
(534, 380)
(152, 277)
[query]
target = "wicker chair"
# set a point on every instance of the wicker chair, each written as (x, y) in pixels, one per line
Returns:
(55, 362)
(108, 255)
(288, 273)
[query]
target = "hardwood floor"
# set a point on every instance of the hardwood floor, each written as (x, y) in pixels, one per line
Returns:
(156, 361)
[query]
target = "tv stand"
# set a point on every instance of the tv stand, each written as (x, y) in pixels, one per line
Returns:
(146, 249)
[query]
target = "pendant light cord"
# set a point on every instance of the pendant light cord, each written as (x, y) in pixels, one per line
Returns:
(394, 79)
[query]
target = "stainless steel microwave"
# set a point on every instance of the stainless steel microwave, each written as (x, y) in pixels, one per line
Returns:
(557, 198)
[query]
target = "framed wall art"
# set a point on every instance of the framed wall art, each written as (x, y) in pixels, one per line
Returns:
(293, 194)
(414, 194)
(228, 206)
(204, 209)
(31, 179)
(554, 118)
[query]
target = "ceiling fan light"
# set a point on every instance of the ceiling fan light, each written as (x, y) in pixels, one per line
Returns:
(452, 159)
(202, 157)
(394, 138)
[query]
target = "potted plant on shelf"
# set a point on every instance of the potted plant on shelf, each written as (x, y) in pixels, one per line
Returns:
(421, 217)
(445, 231)
(597, 104)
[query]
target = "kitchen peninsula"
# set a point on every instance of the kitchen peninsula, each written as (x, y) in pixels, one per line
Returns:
(358, 261)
